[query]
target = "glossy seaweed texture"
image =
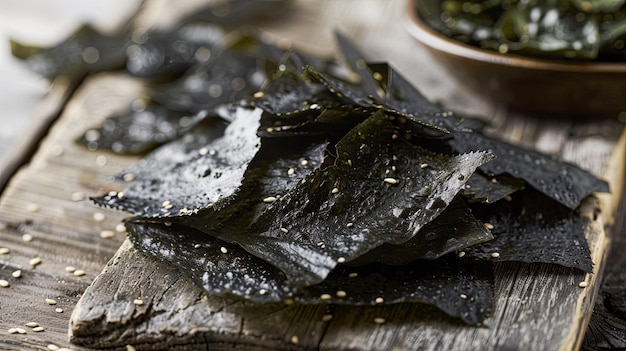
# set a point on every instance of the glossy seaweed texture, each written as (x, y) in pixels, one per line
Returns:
(277, 176)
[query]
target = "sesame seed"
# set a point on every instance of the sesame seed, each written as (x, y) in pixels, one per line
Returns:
(379, 320)
(495, 255)
(583, 284)
(32, 324)
(53, 347)
(463, 296)
(390, 180)
(270, 199)
(379, 300)
(167, 224)
(130, 348)
(269, 129)
(394, 168)
(467, 186)
(203, 151)
(32, 208)
(394, 136)
(120, 228)
(129, 177)
(120, 195)
(20, 330)
(138, 302)
(4, 283)
(461, 253)
(304, 162)
(291, 171)
(508, 198)
(377, 76)
(35, 262)
(335, 190)
(27, 237)
(4, 251)
(320, 244)
(197, 246)
(17, 274)
(58, 310)
(341, 293)
(51, 302)
(107, 234)
(79, 273)
(12, 330)
(341, 260)
(166, 203)
(258, 94)
(325, 297)
(38, 329)
(70, 269)
(101, 160)
(424, 165)
(353, 275)
(78, 196)
(99, 216)
(223, 249)
(349, 162)
(494, 180)
(294, 339)
(327, 317)
(262, 292)
(314, 107)
(489, 226)
(350, 225)
(284, 230)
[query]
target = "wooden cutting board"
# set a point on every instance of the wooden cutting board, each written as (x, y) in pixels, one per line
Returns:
(537, 307)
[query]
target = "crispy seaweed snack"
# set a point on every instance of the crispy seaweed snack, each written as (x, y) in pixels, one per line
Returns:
(283, 177)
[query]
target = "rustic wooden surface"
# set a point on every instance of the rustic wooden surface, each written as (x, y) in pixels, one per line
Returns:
(534, 309)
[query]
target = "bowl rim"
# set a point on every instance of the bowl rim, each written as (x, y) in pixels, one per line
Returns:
(439, 42)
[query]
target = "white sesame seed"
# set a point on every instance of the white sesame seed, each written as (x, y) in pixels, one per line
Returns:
(79, 273)
(349, 162)
(321, 244)
(17, 274)
(494, 180)
(394, 168)
(120, 195)
(4, 283)
(203, 151)
(269, 129)
(32, 208)
(379, 300)
(12, 330)
(284, 230)
(270, 199)
(291, 171)
(350, 225)
(461, 253)
(258, 94)
(424, 165)
(325, 297)
(129, 177)
(335, 190)
(107, 234)
(130, 348)
(32, 324)
(53, 347)
(197, 246)
(327, 317)
(495, 255)
(379, 320)
(489, 226)
(262, 292)
(463, 296)
(4, 251)
(341, 260)
(38, 329)
(294, 339)
(223, 249)
(341, 293)
(507, 198)
(353, 275)
(51, 301)
(304, 162)
(78, 196)
(167, 224)
(99, 216)
(138, 302)
(27, 237)
(583, 284)
(120, 228)
(58, 310)
(70, 269)
(35, 262)
(390, 180)
(20, 330)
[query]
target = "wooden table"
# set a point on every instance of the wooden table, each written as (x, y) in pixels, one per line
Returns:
(535, 309)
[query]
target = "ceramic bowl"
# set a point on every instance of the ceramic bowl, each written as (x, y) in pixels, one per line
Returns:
(544, 87)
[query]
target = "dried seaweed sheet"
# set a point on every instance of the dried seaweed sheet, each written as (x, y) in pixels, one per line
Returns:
(462, 291)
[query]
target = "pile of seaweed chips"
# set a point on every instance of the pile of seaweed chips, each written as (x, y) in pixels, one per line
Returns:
(580, 30)
(284, 177)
